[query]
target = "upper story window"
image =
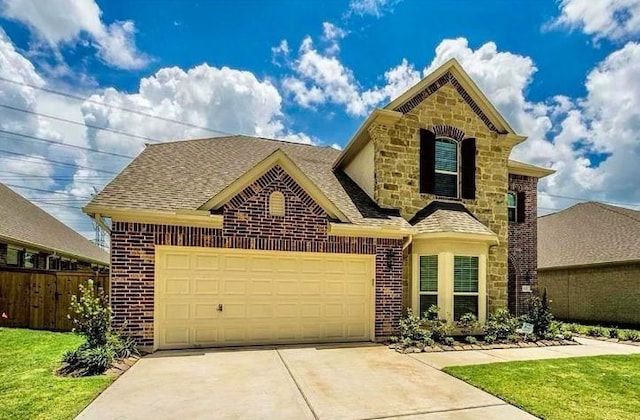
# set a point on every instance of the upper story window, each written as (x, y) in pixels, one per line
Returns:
(516, 206)
(447, 166)
(512, 205)
(276, 204)
(446, 171)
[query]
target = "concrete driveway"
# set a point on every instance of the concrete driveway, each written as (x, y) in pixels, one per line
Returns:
(292, 383)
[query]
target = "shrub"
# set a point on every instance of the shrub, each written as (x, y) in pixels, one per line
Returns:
(514, 338)
(412, 333)
(489, 339)
(500, 325)
(91, 315)
(471, 339)
(449, 341)
(467, 323)
(614, 333)
(431, 314)
(439, 329)
(633, 335)
(596, 331)
(539, 314)
(567, 335)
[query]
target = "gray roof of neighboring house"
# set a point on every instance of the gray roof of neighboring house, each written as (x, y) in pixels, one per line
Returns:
(186, 174)
(23, 222)
(588, 233)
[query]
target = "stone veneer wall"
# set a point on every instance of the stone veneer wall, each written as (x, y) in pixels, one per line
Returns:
(247, 225)
(397, 171)
(523, 244)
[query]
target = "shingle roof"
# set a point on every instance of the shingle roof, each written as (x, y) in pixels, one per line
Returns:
(24, 222)
(186, 174)
(451, 221)
(588, 233)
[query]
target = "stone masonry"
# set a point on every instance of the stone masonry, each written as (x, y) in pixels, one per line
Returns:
(247, 225)
(396, 161)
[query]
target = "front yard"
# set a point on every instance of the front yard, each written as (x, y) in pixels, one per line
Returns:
(29, 387)
(603, 387)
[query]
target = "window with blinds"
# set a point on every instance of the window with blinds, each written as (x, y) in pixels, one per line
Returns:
(428, 293)
(446, 168)
(465, 286)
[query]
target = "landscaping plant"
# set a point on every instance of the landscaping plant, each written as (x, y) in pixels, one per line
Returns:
(91, 316)
(500, 325)
(539, 315)
(439, 329)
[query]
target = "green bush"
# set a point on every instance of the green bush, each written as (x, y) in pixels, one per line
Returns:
(632, 335)
(91, 315)
(597, 331)
(467, 323)
(614, 333)
(439, 329)
(449, 341)
(412, 332)
(471, 339)
(539, 314)
(500, 325)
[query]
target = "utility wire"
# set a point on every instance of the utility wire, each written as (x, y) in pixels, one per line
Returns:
(96, 127)
(120, 108)
(623, 203)
(72, 146)
(41, 190)
(73, 165)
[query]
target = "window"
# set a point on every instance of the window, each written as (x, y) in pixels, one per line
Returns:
(14, 257)
(465, 286)
(30, 259)
(512, 205)
(428, 293)
(276, 204)
(446, 173)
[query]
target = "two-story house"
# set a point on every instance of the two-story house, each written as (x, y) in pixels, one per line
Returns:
(241, 240)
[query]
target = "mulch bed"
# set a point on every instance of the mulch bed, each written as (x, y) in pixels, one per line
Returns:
(482, 346)
(121, 366)
(610, 340)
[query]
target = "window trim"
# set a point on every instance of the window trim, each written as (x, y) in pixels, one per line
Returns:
(458, 167)
(514, 207)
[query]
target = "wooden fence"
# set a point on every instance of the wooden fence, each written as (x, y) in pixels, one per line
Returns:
(40, 299)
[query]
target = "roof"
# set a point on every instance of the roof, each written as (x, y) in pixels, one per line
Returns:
(440, 217)
(588, 233)
(24, 223)
(185, 175)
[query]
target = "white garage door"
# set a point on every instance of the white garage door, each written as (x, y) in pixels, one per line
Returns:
(219, 297)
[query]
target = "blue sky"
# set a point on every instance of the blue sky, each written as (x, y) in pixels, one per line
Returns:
(565, 73)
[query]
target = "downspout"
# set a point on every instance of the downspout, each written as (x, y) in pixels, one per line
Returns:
(407, 243)
(101, 223)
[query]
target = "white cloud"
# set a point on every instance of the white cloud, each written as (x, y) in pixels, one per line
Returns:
(376, 8)
(67, 22)
(610, 19)
(332, 34)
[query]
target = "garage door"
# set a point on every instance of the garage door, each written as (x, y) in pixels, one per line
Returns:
(220, 297)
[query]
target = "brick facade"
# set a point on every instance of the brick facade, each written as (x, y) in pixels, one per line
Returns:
(247, 225)
(523, 251)
(596, 294)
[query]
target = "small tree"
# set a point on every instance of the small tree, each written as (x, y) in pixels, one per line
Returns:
(91, 315)
(539, 314)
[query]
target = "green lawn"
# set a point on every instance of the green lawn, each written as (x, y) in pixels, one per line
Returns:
(603, 387)
(29, 388)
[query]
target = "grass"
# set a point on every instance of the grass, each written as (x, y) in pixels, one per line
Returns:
(603, 387)
(29, 387)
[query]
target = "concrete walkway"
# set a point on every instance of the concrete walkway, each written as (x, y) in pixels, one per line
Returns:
(589, 347)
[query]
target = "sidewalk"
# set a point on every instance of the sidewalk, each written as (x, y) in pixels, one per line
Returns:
(589, 347)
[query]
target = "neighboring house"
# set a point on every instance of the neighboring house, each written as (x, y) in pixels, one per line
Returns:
(589, 262)
(30, 238)
(240, 240)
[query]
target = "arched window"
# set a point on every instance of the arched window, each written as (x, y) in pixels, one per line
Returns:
(276, 204)
(446, 177)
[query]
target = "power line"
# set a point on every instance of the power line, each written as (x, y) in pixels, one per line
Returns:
(41, 190)
(72, 146)
(120, 108)
(590, 199)
(73, 165)
(96, 127)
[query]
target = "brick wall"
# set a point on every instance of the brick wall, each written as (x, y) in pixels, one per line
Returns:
(523, 251)
(247, 225)
(608, 294)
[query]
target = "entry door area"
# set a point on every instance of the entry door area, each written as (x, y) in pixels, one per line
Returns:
(208, 297)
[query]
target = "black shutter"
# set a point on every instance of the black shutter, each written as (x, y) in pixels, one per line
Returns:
(520, 207)
(468, 168)
(427, 161)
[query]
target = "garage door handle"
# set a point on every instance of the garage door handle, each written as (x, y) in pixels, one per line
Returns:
(220, 307)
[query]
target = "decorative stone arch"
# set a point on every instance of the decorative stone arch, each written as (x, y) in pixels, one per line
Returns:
(448, 131)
